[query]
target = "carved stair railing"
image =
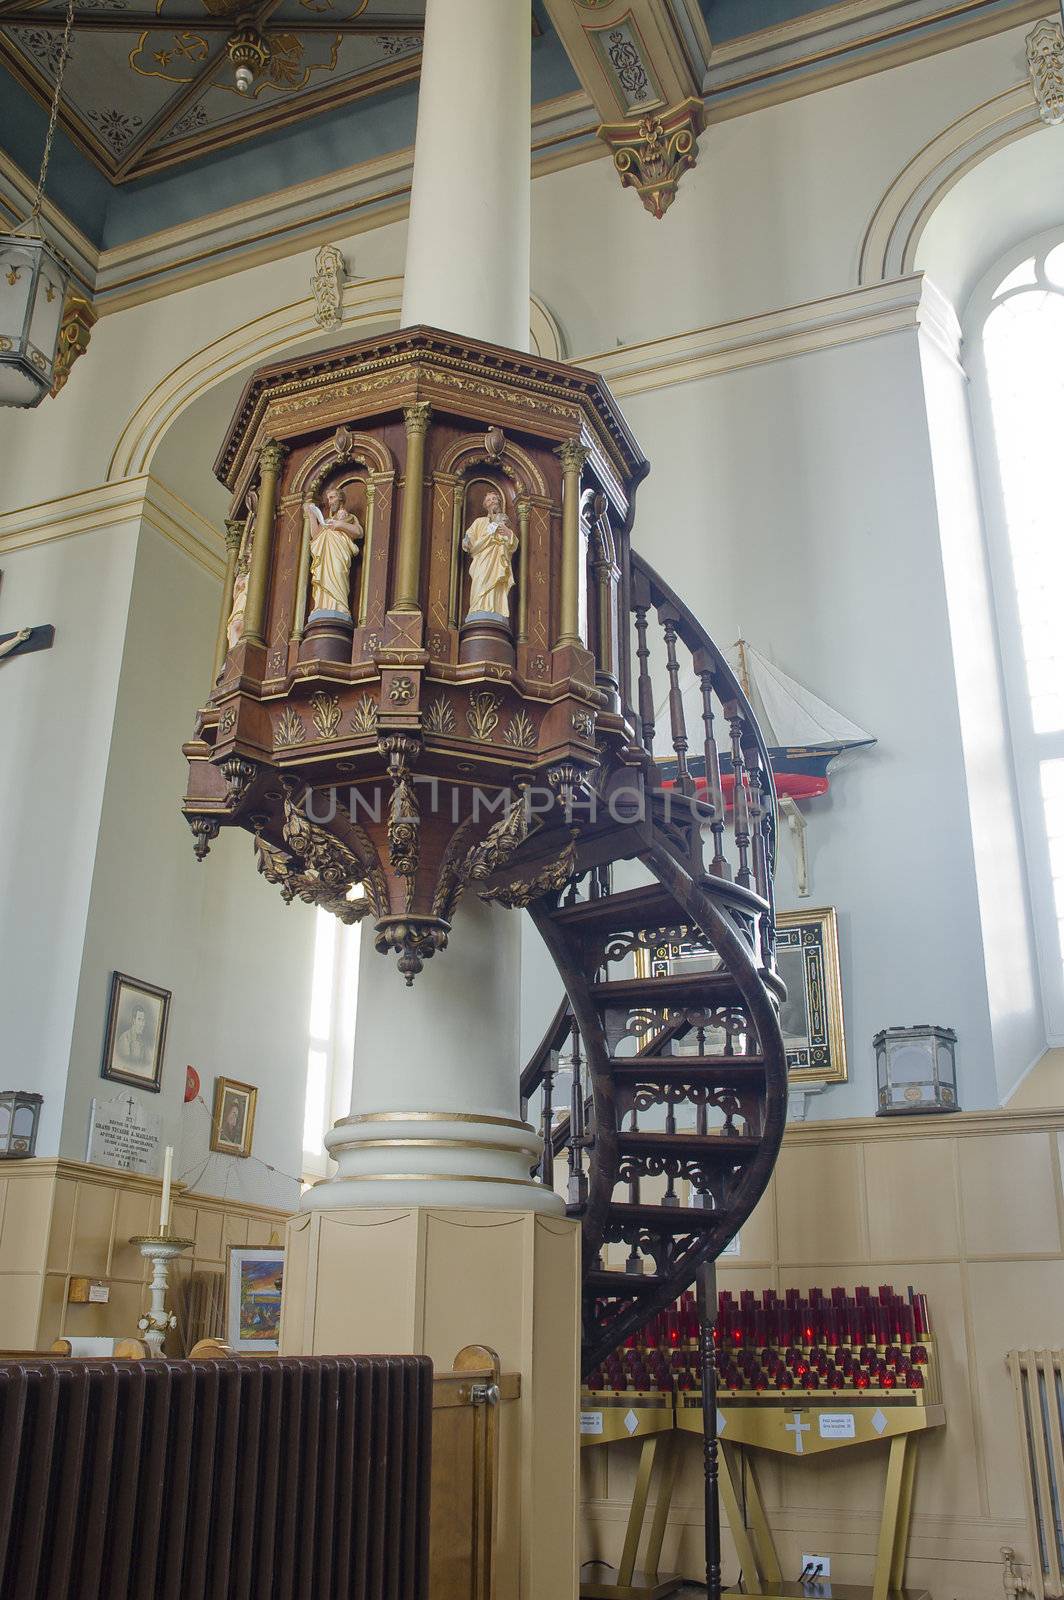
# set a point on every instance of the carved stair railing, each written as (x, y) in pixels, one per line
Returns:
(676, 1078)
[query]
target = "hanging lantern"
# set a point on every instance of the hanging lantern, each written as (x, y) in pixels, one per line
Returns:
(33, 285)
(20, 1112)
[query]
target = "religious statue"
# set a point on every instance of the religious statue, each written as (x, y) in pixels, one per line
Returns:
(335, 536)
(490, 543)
(234, 628)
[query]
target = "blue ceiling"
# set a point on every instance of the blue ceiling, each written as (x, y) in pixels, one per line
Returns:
(328, 140)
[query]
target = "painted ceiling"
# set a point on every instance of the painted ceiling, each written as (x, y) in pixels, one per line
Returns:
(149, 84)
(137, 98)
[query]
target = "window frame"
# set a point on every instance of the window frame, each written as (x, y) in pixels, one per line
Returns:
(1030, 749)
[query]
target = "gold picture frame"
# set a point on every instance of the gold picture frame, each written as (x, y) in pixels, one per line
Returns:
(807, 958)
(233, 1117)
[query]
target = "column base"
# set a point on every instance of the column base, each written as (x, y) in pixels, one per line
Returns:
(431, 1281)
(486, 637)
(327, 637)
(434, 1158)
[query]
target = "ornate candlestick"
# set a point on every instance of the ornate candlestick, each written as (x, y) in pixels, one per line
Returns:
(160, 1249)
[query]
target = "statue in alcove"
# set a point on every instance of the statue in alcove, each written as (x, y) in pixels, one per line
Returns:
(490, 543)
(234, 628)
(336, 534)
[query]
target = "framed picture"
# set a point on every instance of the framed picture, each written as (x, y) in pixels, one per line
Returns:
(253, 1279)
(136, 1032)
(233, 1117)
(807, 958)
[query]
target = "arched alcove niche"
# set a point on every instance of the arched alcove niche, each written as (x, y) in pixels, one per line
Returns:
(987, 179)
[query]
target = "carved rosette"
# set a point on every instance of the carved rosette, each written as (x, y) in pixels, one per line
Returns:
(1045, 63)
(653, 154)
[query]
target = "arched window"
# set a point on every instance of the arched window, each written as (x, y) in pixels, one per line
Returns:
(1015, 339)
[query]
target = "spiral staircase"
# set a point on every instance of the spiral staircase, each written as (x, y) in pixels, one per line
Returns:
(676, 1070)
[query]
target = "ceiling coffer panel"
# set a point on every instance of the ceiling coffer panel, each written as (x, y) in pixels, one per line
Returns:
(147, 86)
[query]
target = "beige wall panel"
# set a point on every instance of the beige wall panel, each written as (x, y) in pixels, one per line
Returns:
(133, 1216)
(183, 1221)
(1009, 1195)
(555, 1351)
(1014, 1305)
(53, 1310)
(208, 1235)
(464, 1307)
(757, 1238)
(26, 1220)
(234, 1231)
(816, 1187)
(64, 1203)
(261, 1230)
(93, 1229)
(115, 1320)
(911, 1191)
(382, 1251)
(19, 1306)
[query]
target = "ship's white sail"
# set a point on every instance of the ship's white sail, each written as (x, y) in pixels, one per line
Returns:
(791, 717)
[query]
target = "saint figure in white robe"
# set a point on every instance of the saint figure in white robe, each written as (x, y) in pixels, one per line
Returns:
(490, 544)
(335, 536)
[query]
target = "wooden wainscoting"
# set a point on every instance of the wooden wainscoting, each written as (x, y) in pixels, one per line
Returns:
(64, 1219)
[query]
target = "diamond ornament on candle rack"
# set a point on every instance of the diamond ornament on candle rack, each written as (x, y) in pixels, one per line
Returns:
(33, 284)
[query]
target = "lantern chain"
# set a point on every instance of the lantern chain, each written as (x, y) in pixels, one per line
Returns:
(64, 51)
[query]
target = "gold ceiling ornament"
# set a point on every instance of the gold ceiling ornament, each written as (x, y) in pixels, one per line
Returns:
(34, 280)
(653, 154)
(248, 52)
(79, 319)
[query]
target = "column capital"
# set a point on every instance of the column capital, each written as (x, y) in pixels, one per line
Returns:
(416, 417)
(271, 456)
(572, 455)
(234, 532)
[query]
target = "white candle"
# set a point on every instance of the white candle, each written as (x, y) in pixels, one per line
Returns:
(164, 1210)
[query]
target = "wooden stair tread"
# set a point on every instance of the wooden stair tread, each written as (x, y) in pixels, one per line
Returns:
(631, 1284)
(666, 1219)
(723, 1070)
(709, 1144)
(678, 988)
(644, 907)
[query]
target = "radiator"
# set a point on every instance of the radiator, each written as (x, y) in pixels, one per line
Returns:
(1039, 1392)
(292, 1478)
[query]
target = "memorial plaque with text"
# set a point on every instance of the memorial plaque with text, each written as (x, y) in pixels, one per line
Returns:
(125, 1135)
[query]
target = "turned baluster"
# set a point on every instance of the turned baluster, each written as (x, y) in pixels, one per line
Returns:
(714, 788)
(670, 1197)
(678, 724)
(641, 605)
(577, 1195)
(546, 1160)
(634, 1263)
(740, 799)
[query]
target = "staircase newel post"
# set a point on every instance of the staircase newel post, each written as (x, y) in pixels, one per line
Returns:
(707, 1317)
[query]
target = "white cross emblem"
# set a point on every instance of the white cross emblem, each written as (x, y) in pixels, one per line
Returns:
(798, 1427)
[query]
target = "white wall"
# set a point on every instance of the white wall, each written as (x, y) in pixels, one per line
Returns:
(56, 714)
(236, 959)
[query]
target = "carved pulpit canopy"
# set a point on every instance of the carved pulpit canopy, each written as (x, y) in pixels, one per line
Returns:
(416, 629)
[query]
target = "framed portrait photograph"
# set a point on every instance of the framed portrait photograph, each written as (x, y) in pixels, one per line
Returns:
(136, 1032)
(233, 1117)
(807, 958)
(253, 1280)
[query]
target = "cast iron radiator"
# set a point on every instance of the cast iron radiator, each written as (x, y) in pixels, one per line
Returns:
(285, 1478)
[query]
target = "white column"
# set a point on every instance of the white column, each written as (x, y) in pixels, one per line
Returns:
(435, 1107)
(467, 261)
(435, 1116)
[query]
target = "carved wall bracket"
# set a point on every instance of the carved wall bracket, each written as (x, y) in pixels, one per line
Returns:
(1045, 63)
(327, 285)
(79, 319)
(653, 154)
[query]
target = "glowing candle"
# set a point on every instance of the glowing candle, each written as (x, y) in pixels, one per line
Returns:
(164, 1211)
